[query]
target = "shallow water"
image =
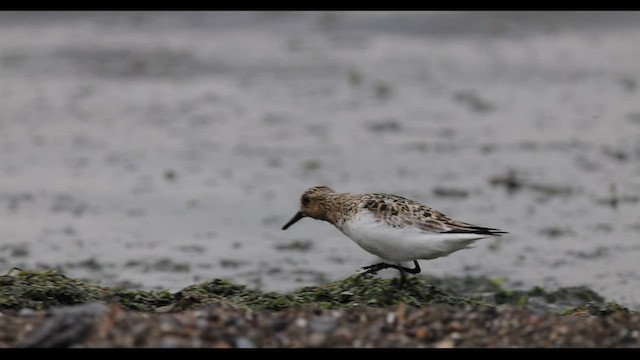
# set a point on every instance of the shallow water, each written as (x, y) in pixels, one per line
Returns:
(159, 149)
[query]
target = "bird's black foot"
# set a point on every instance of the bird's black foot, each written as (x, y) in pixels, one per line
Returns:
(8, 278)
(380, 266)
(12, 270)
(372, 269)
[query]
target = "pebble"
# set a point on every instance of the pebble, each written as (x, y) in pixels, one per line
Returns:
(217, 325)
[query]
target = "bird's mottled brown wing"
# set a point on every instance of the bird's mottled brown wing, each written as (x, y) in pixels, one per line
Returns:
(401, 212)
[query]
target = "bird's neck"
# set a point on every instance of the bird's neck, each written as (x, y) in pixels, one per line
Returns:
(339, 209)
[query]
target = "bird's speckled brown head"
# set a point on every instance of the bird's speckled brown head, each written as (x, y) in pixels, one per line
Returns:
(314, 204)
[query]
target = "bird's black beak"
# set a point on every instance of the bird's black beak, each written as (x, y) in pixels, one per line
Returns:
(295, 218)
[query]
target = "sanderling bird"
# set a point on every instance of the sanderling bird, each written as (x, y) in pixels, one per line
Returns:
(392, 227)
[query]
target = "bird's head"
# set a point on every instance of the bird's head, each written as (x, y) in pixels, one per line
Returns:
(313, 203)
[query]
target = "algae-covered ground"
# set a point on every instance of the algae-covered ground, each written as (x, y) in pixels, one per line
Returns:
(49, 309)
(43, 290)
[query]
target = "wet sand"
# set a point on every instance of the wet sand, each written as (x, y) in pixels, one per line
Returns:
(157, 150)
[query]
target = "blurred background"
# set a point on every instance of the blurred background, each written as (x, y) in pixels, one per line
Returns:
(161, 149)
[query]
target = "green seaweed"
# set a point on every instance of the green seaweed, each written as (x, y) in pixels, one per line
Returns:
(590, 308)
(145, 301)
(40, 290)
(46, 289)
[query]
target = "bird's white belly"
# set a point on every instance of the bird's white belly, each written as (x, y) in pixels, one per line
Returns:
(403, 244)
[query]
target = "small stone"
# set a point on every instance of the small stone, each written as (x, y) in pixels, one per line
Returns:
(26, 312)
(164, 309)
(221, 344)
(317, 339)
(168, 344)
(455, 326)
(391, 318)
(422, 333)
(244, 343)
(301, 322)
(444, 344)
(322, 324)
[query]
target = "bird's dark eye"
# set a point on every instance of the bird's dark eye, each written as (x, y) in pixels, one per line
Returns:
(306, 199)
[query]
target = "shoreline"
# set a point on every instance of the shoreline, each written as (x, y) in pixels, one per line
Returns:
(48, 309)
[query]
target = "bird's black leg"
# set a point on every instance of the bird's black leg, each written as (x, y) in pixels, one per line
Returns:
(403, 270)
(403, 277)
(415, 270)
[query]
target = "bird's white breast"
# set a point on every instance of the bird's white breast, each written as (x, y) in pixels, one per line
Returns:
(403, 244)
